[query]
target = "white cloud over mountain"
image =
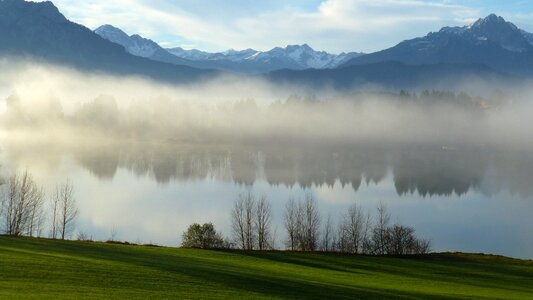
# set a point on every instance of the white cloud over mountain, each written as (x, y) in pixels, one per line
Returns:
(331, 25)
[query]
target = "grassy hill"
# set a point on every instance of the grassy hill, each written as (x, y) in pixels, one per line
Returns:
(40, 268)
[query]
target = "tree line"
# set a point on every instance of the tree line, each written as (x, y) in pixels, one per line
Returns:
(23, 208)
(354, 231)
(24, 212)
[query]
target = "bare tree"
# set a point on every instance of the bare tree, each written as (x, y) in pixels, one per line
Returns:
(68, 210)
(354, 228)
(403, 241)
(113, 233)
(367, 246)
(273, 238)
(22, 205)
(3, 199)
(302, 222)
(55, 214)
(36, 217)
(380, 234)
(238, 222)
(242, 221)
(422, 246)
(291, 222)
(310, 224)
(84, 237)
(328, 240)
(10, 205)
(262, 223)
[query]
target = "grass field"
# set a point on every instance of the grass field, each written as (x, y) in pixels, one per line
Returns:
(40, 268)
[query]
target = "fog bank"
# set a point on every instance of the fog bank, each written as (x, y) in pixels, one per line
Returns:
(40, 99)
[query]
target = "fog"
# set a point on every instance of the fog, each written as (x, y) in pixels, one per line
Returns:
(437, 142)
(42, 98)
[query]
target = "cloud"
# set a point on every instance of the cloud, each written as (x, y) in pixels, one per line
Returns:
(353, 25)
(332, 25)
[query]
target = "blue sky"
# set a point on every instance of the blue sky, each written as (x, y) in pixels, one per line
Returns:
(331, 25)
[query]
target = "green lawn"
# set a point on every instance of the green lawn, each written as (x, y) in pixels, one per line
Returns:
(40, 268)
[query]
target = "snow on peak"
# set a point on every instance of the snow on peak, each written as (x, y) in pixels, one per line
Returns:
(491, 19)
(491, 29)
(303, 57)
(292, 56)
(134, 44)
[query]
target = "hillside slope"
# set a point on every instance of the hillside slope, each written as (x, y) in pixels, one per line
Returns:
(39, 31)
(491, 41)
(64, 269)
(393, 75)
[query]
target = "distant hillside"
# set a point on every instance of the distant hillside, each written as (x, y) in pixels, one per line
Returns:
(139, 46)
(297, 57)
(393, 75)
(491, 41)
(40, 31)
(490, 50)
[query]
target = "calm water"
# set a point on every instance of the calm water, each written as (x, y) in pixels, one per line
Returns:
(469, 199)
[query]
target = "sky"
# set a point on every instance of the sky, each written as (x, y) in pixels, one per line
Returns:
(331, 25)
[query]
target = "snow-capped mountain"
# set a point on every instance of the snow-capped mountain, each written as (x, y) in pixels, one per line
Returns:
(230, 55)
(38, 30)
(495, 29)
(296, 57)
(192, 54)
(139, 46)
(290, 57)
(305, 57)
(490, 41)
(134, 44)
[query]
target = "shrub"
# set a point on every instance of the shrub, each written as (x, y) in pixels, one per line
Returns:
(202, 236)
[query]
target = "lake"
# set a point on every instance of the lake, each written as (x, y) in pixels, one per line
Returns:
(461, 198)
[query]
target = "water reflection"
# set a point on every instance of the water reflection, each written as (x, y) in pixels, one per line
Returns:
(427, 171)
(463, 199)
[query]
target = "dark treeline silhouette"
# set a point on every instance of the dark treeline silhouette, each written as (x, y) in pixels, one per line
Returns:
(164, 117)
(436, 96)
(427, 171)
(424, 97)
(23, 211)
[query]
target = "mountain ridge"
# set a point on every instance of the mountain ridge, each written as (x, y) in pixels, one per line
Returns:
(138, 46)
(296, 57)
(39, 30)
(491, 41)
(389, 75)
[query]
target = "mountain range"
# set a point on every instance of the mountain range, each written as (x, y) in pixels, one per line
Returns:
(491, 49)
(296, 57)
(490, 41)
(38, 31)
